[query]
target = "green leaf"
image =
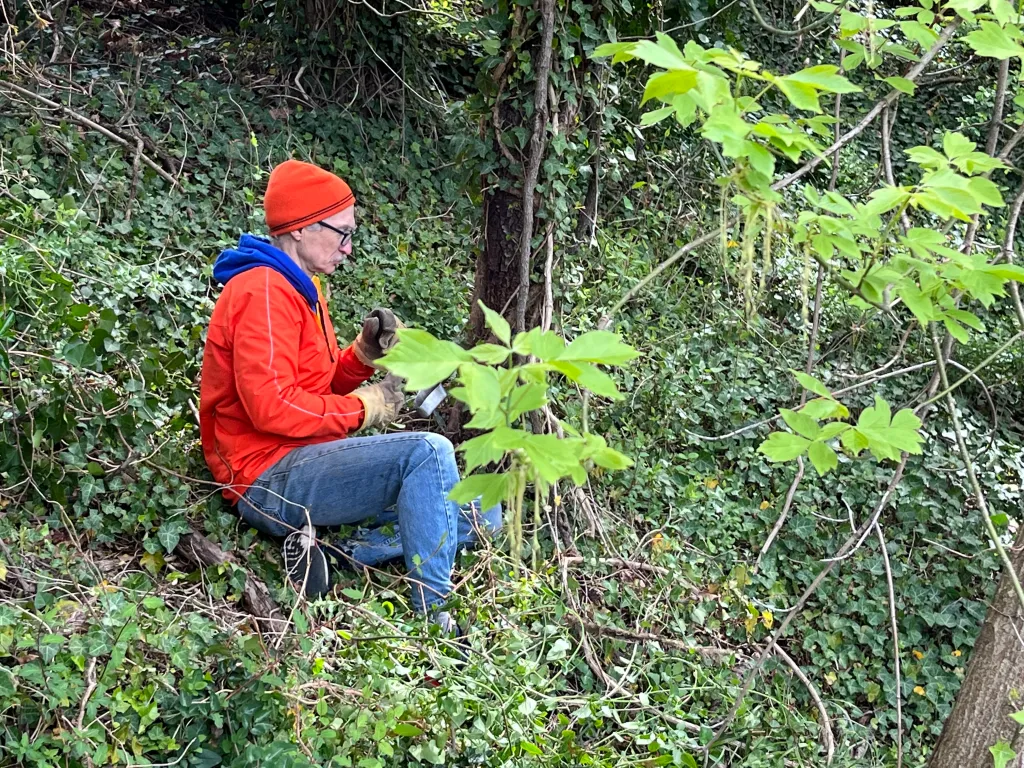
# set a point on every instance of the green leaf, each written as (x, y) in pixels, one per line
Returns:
(552, 457)
(955, 145)
(664, 85)
(783, 446)
(526, 398)
(490, 447)
(811, 384)
(660, 54)
(801, 423)
(1018, 717)
(492, 354)
(596, 449)
(994, 41)
(481, 390)
(825, 408)
(656, 116)
(38, 194)
(853, 441)
(902, 85)
(917, 302)
(918, 33)
(406, 729)
(832, 430)
(489, 488)
(589, 377)
(802, 87)
(619, 51)
(545, 345)
(530, 748)
(499, 325)
(884, 199)
(822, 457)
(1002, 754)
(985, 192)
(599, 347)
(927, 157)
(423, 360)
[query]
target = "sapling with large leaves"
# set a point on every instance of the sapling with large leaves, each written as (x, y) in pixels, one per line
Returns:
(500, 394)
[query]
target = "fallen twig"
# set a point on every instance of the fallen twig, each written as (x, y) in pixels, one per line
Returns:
(828, 739)
(83, 120)
(895, 646)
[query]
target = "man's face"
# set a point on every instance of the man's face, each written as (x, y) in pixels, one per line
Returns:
(320, 250)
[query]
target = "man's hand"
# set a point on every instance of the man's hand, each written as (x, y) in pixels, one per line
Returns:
(378, 335)
(381, 401)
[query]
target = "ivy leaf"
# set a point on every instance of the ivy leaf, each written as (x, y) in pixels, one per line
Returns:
(801, 423)
(1018, 717)
(783, 446)
(993, 41)
(822, 457)
(599, 347)
(499, 325)
(1002, 754)
(423, 360)
(489, 488)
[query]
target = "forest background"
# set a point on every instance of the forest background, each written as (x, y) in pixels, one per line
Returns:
(808, 188)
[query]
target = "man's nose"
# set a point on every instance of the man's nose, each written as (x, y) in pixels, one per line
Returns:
(346, 248)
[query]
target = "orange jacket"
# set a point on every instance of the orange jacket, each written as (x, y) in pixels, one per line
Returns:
(273, 378)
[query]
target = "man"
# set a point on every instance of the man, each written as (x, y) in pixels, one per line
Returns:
(279, 401)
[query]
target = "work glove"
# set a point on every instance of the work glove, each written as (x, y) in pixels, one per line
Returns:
(381, 401)
(378, 336)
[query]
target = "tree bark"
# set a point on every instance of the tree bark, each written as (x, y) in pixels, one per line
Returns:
(542, 67)
(994, 686)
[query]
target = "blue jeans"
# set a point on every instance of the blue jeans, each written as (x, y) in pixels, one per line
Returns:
(345, 482)
(380, 540)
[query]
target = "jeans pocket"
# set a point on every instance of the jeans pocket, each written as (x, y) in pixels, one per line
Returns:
(258, 509)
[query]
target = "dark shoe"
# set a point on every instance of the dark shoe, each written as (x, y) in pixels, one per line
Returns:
(305, 563)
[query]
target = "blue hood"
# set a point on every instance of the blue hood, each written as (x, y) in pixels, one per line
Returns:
(256, 252)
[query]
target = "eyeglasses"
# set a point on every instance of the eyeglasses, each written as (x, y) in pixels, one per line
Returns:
(346, 234)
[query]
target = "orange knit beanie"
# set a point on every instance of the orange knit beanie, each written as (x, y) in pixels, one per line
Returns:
(299, 194)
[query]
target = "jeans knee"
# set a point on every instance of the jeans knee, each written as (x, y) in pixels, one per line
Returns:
(436, 445)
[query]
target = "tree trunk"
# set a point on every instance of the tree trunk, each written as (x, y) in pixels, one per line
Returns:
(497, 265)
(994, 686)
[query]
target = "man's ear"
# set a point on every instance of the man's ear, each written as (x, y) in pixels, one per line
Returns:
(296, 234)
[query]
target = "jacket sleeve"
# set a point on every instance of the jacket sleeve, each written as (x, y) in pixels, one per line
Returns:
(350, 373)
(265, 360)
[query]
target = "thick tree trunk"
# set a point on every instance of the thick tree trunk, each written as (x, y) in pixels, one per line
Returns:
(994, 686)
